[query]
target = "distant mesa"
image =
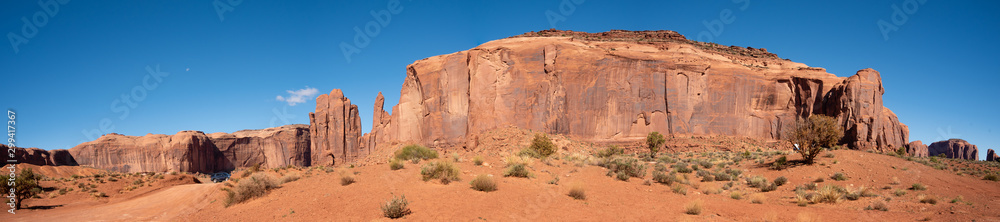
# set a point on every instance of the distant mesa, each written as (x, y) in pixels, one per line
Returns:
(954, 148)
(991, 156)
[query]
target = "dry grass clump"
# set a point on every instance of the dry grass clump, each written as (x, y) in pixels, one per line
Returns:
(899, 192)
(257, 185)
(830, 194)
(290, 177)
(396, 207)
(396, 164)
(736, 195)
(918, 186)
(927, 199)
(577, 192)
(679, 189)
(518, 170)
(839, 176)
(693, 208)
(478, 160)
(484, 183)
(443, 170)
(757, 198)
(346, 178)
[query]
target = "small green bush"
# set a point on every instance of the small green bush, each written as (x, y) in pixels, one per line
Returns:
(899, 192)
(443, 170)
(624, 167)
(612, 150)
(918, 186)
(518, 170)
(780, 181)
(484, 183)
(396, 207)
(542, 145)
(682, 168)
(415, 151)
(991, 177)
(653, 141)
(663, 178)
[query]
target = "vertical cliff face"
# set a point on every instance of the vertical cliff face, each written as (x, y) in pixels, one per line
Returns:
(917, 149)
(867, 124)
(271, 147)
(186, 151)
(335, 130)
(954, 148)
(622, 85)
(992, 156)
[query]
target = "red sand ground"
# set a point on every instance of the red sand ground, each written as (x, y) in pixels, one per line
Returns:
(318, 196)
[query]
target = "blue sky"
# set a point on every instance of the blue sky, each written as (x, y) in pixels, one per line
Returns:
(224, 73)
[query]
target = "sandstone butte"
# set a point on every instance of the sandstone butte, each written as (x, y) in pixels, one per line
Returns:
(992, 156)
(600, 87)
(617, 86)
(954, 148)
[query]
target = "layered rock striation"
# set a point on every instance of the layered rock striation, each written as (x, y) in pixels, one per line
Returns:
(271, 148)
(954, 148)
(618, 85)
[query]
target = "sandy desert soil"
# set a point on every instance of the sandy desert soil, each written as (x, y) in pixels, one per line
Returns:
(319, 195)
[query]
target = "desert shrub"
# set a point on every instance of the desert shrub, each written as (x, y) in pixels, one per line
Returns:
(396, 207)
(958, 199)
(839, 176)
(757, 181)
(720, 176)
(577, 192)
(927, 199)
(478, 160)
(290, 177)
(612, 150)
(443, 170)
(895, 181)
(396, 164)
(830, 194)
(624, 167)
(769, 187)
(542, 145)
(879, 205)
(415, 151)
(528, 152)
(735, 172)
(757, 198)
(991, 177)
(257, 185)
(813, 134)
(663, 178)
(901, 151)
(346, 178)
(693, 208)
(736, 195)
(780, 163)
(484, 183)
(518, 170)
(780, 181)
(899, 192)
(653, 141)
(918, 186)
(705, 164)
(666, 160)
(682, 168)
(679, 189)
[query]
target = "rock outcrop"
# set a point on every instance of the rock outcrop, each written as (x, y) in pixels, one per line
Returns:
(36, 156)
(917, 149)
(954, 148)
(271, 147)
(621, 85)
(186, 151)
(992, 156)
(335, 130)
